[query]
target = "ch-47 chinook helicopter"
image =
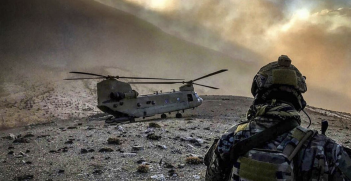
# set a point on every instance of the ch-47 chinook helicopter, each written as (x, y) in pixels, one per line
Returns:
(120, 100)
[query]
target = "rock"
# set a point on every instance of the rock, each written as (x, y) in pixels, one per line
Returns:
(181, 165)
(23, 154)
(10, 153)
(62, 129)
(159, 177)
(29, 135)
(137, 148)
(106, 150)
(90, 128)
(176, 151)
(347, 141)
(162, 146)
(64, 149)
(172, 173)
(21, 140)
(97, 172)
(83, 151)
(141, 161)
(11, 148)
(128, 154)
(24, 177)
(196, 177)
(154, 125)
(190, 146)
(149, 130)
(10, 137)
(113, 140)
(152, 136)
(91, 150)
(42, 136)
(69, 142)
(168, 165)
(120, 150)
(27, 151)
(120, 128)
(196, 141)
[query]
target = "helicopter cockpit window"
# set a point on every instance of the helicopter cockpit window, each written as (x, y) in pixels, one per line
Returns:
(197, 96)
(148, 102)
(138, 104)
(190, 97)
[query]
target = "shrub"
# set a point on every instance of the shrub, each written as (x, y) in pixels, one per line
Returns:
(143, 168)
(193, 160)
(154, 125)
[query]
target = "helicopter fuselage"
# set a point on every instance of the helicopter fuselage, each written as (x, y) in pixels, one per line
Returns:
(117, 98)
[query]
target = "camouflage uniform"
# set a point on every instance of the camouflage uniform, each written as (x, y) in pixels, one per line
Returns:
(300, 154)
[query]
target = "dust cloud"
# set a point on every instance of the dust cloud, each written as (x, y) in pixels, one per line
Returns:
(41, 41)
(315, 34)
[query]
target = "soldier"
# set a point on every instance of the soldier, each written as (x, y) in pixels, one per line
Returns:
(272, 145)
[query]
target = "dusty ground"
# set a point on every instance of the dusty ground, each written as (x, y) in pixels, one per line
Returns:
(54, 150)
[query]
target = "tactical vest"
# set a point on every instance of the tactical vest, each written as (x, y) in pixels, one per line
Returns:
(267, 164)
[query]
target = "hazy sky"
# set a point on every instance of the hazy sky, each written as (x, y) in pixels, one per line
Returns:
(315, 34)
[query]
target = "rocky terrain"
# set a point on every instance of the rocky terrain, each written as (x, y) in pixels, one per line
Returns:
(87, 148)
(50, 129)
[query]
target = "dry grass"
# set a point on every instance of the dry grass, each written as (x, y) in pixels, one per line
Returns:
(143, 168)
(193, 160)
(154, 125)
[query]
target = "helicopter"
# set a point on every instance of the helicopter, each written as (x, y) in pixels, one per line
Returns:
(117, 98)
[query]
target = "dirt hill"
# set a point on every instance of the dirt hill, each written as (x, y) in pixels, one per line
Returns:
(43, 40)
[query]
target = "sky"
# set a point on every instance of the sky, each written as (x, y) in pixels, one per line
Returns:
(315, 34)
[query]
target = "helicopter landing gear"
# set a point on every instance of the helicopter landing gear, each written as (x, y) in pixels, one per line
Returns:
(178, 115)
(163, 116)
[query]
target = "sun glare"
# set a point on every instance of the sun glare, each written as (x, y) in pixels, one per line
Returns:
(303, 14)
(157, 5)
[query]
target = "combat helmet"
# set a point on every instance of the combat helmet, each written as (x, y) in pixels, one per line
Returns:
(282, 81)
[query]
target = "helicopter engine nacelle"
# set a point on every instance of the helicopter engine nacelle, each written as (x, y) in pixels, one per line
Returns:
(117, 96)
(131, 94)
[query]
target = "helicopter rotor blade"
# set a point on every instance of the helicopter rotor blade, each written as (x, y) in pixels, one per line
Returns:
(146, 78)
(120, 77)
(206, 86)
(214, 73)
(154, 82)
(84, 78)
(85, 73)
